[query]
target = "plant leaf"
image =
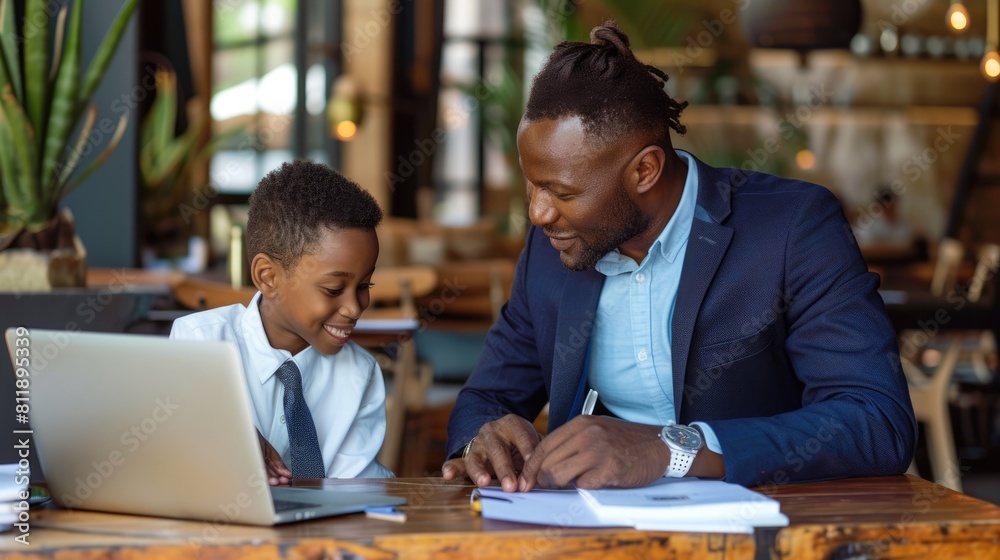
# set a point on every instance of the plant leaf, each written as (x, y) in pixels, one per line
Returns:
(171, 158)
(57, 48)
(23, 139)
(8, 168)
(61, 113)
(166, 118)
(36, 64)
(105, 52)
(8, 38)
(69, 166)
(100, 159)
(215, 144)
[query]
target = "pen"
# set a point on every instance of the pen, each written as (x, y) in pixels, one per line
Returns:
(589, 403)
(387, 513)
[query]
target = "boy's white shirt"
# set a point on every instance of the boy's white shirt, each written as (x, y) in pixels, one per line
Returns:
(345, 392)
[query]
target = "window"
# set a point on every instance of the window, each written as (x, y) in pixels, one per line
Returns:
(269, 54)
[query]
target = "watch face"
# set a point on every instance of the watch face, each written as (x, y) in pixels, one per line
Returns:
(684, 436)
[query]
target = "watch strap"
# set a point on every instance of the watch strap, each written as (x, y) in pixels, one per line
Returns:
(680, 462)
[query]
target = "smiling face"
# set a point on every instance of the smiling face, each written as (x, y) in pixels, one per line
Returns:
(319, 300)
(579, 192)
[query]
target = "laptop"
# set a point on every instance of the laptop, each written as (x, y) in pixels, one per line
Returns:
(150, 426)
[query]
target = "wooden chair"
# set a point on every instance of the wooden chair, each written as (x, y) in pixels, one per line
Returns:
(930, 397)
(978, 389)
(468, 299)
(963, 354)
(949, 258)
(393, 294)
(472, 292)
(197, 294)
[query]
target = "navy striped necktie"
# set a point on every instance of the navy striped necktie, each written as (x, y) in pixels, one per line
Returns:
(307, 459)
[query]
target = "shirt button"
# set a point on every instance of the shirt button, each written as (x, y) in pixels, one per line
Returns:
(640, 277)
(282, 418)
(642, 355)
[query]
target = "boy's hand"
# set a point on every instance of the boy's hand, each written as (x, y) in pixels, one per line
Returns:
(277, 472)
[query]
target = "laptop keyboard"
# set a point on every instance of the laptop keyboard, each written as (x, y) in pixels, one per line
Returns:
(287, 505)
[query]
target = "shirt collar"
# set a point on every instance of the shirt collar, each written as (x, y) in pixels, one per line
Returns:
(265, 358)
(674, 235)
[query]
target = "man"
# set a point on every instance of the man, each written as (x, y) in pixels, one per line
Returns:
(734, 303)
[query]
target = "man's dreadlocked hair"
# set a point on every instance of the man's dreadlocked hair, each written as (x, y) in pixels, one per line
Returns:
(606, 86)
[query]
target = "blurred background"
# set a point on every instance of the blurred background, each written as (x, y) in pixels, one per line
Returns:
(418, 101)
(890, 104)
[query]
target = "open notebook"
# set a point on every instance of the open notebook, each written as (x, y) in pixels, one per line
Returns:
(670, 504)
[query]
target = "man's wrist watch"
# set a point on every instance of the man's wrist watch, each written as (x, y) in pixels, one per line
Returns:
(684, 443)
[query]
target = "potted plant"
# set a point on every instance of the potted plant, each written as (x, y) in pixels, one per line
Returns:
(44, 96)
(168, 165)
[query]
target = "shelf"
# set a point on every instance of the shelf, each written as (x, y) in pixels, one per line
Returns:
(753, 115)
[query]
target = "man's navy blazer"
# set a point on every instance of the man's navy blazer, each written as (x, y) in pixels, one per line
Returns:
(780, 339)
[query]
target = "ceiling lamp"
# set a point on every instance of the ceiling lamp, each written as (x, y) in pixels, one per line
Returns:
(957, 16)
(990, 64)
(802, 26)
(345, 109)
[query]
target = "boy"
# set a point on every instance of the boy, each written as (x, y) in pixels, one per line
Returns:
(316, 397)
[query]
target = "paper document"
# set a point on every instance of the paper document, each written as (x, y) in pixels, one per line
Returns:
(386, 325)
(669, 504)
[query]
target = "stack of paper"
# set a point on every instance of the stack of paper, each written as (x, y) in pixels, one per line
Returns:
(670, 504)
(13, 495)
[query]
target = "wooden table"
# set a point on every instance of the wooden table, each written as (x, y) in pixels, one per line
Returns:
(886, 517)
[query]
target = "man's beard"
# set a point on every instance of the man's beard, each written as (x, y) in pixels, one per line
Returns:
(624, 221)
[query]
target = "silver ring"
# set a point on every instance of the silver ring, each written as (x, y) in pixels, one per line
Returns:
(468, 447)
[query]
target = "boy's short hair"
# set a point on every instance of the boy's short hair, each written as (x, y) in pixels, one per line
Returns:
(292, 203)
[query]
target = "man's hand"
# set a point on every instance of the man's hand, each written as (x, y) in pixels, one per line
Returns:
(596, 452)
(500, 448)
(277, 472)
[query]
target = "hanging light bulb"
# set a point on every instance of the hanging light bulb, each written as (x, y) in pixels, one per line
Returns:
(957, 16)
(345, 109)
(990, 64)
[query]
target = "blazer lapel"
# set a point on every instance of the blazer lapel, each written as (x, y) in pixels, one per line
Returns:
(575, 324)
(707, 245)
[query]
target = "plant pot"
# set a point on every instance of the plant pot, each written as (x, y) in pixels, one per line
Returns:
(52, 257)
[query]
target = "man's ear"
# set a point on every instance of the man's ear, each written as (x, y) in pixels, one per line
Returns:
(265, 274)
(648, 166)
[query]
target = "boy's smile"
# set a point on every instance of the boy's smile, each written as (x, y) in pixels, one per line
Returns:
(318, 301)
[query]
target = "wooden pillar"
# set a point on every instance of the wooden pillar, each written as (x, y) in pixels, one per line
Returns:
(367, 51)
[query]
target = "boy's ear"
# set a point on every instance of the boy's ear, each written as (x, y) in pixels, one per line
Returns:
(265, 274)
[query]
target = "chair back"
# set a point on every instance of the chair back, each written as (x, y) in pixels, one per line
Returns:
(949, 257)
(476, 289)
(197, 294)
(394, 289)
(392, 297)
(986, 267)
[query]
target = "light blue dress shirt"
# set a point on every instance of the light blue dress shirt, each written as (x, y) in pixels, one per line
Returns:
(630, 355)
